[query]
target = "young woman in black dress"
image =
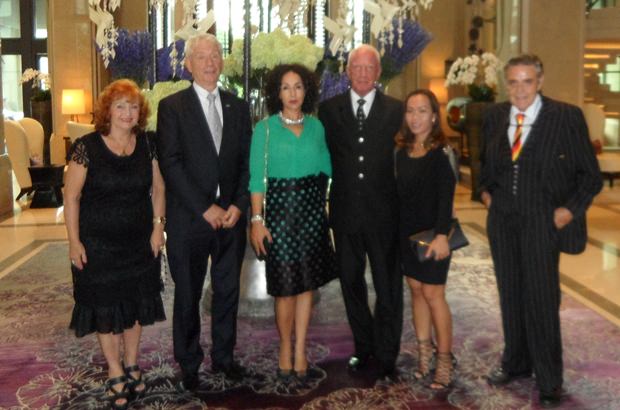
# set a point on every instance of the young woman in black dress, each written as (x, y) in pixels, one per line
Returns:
(114, 212)
(426, 183)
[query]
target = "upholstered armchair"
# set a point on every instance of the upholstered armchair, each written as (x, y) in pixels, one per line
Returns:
(35, 136)
(19, 154)
(76, 129)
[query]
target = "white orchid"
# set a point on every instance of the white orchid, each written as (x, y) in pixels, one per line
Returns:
(466, 71)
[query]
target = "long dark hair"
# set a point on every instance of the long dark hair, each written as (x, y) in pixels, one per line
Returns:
(405, 138)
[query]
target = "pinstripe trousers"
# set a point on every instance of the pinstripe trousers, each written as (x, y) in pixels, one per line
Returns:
(526, 258)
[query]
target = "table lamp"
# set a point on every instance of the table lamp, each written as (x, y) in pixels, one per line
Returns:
(73, 103)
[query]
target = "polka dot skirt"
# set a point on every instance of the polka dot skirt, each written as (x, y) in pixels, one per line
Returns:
(301, 257)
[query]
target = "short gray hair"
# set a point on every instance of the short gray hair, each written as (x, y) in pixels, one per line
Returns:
(526, 59)
(365, 47)
(191, 43)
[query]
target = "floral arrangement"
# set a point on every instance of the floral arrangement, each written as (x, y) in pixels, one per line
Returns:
(40, 84)
(161, 90)
(478, 73)
(395, 57)
(268, 50)
(133, 56)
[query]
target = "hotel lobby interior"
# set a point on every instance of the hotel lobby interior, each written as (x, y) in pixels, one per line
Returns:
(42, 363)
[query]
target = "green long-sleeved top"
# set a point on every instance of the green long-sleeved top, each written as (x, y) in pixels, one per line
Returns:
(289, 156)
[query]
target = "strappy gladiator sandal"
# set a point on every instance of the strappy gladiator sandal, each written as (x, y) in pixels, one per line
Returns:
(444, 372)
(117, 395)
(425, 356)
(134, 383)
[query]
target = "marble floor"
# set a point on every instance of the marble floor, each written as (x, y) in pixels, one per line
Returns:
(592, 277)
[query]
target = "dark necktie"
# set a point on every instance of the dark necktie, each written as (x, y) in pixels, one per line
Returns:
(516, 144)
(361, 117)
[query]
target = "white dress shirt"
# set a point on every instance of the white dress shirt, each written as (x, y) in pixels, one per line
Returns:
(530, 117)
(369, 98)
(202, 96)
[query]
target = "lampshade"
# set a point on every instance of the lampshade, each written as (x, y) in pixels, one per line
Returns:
(437, 86)
(73, 102)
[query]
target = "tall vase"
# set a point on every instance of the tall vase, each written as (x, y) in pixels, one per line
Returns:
(474, 112)
(42, 112)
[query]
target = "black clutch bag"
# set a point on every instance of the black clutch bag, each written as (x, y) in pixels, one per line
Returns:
(267, 245)
(421, 240)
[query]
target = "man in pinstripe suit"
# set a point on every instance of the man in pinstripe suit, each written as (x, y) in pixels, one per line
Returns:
(539, 176)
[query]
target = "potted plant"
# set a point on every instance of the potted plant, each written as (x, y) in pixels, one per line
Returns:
(479, 74)
(40, 104)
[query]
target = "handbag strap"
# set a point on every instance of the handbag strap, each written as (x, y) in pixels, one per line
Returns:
(266, 161)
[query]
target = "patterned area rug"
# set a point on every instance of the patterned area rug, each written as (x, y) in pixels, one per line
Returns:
(42, 365)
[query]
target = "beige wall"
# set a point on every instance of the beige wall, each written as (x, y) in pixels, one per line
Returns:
(74, 62)
(554, 30)
(447, 24)
(71, 52)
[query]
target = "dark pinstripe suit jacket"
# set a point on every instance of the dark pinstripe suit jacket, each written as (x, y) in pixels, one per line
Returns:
(557, 167)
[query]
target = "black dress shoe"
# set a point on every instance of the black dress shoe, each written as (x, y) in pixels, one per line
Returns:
(388, 375)
(550, 399)
(309, 374)
(233, 371)
(188, 383)
(357, 362)
(500, 377)
(284, 376)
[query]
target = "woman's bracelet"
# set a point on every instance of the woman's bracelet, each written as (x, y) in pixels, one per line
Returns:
(159, 220)
(257, 218)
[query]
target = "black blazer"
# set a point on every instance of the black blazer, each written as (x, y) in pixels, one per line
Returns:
(369, 202)
(189, 162)
(557, 167)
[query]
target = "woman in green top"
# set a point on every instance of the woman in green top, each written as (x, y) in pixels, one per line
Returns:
(290, 146)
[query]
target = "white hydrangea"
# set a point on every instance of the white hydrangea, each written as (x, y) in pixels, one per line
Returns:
(271, 49)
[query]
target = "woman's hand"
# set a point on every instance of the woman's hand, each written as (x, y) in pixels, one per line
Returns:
(158, 239)
(77, 254)
(439, 248)
(258, 232)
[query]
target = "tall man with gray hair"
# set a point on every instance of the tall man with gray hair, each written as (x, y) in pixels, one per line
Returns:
(539, 176)
(360, 126)
(203, 136)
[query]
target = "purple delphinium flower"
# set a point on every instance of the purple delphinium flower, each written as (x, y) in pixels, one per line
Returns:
(164, 67)
(395, 58)
(134, 56)
(333, 84)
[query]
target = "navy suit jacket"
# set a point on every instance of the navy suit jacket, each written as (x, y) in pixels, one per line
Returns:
(190, 164)
(557, 167)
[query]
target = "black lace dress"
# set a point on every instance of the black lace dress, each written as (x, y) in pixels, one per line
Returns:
(120, 284)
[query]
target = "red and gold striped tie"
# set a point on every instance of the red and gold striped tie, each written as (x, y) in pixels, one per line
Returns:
(516, 145)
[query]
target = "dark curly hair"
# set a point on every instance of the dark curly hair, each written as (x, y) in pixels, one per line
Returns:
(122, 88)
(405, 138)
(274, 82)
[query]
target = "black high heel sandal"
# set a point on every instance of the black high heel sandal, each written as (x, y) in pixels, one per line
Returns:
(133, 383)
(117, 395)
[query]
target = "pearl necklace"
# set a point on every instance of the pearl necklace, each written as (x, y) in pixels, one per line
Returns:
(288, 121)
